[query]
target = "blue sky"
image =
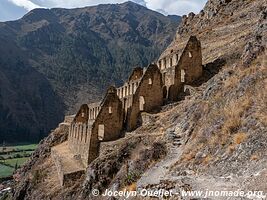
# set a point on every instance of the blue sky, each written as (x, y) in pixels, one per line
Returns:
(14, 9)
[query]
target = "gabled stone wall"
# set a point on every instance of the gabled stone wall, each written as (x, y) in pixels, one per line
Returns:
(136, 74)
(108, 124)
(190, 62)
(187, 70)
(79, 133)
(111, 116)
(94, 123)
(148, 96)
(130, 86)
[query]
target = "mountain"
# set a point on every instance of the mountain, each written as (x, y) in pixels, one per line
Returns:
(213, 140)
(76, 54)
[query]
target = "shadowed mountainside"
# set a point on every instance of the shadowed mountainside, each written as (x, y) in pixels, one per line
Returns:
(29, 107)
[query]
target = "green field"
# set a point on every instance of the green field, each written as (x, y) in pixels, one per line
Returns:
(5, 171)
(10, 155)
(26, 147)
(14, 156)
(18, 161)
(18, 148)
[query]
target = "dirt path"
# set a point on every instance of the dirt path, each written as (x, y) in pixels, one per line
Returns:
(159, 172)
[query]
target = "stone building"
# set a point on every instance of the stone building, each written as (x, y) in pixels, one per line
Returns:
(127, 91)
(148, 96)
(181, 68)
(138, 94)
(93, 123)
(121, 109)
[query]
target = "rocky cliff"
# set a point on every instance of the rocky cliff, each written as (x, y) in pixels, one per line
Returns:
(71, 55)
(213, 140)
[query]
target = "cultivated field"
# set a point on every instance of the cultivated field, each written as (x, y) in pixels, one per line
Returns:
(12, 157)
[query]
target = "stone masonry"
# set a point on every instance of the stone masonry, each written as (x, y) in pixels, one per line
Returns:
(181, 68)
(121, 109)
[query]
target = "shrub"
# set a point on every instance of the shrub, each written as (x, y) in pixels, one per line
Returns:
(188, 156)
(38, 176)
(231, 148)
(207, 159)
(233, 113)
(159, 151)
(131, 178)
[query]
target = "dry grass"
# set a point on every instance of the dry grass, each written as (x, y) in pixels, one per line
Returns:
(207, 159)
(233, 113)
(231, 82)
(213, 141)
(188, 156)
(259, 91)
(218, 139)
(239, 138)
(254, 157)
(131, 187)
(236, 140)
(231, 148)
(263, 117)
(261, 102)
(231, 125)
(223, 139)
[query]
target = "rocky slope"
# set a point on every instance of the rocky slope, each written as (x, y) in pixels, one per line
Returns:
(213, 140)
(70, 49)
(224, 28)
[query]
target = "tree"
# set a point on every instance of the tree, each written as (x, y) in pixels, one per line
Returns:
(4, 146)
(16, 166)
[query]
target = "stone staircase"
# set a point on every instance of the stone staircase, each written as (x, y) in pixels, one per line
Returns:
(159, 172)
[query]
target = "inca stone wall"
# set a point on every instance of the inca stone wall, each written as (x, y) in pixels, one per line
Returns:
(94, 123)
(148, 96)
(183, 68)
(79, 134)
(121, 109)
(108, 124)
(190, 63)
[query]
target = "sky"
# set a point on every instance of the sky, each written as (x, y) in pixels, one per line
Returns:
(15, 9)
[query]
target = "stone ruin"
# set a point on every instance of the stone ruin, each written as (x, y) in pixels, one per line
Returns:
(181, 68)
(146, 90)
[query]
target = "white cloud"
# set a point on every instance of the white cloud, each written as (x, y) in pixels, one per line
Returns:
(175, 7)
(74, 3)
(27, 4)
